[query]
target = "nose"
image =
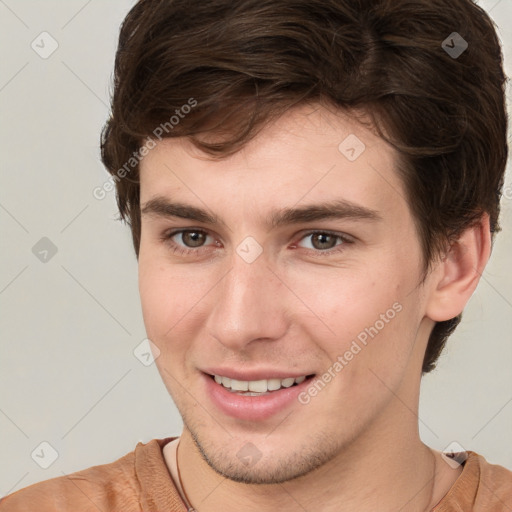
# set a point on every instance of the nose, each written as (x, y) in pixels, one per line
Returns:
(250, 304)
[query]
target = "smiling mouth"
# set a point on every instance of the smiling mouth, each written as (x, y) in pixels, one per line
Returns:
(258, 387)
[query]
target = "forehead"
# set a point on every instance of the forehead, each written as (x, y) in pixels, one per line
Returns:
(307, 155)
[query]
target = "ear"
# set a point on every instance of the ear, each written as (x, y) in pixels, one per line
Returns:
(456, 276)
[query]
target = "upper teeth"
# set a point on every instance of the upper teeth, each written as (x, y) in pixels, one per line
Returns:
(257, 386)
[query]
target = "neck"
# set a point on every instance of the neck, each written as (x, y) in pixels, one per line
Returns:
(394, 473)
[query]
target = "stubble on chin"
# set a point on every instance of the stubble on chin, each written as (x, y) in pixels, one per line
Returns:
(267, 468)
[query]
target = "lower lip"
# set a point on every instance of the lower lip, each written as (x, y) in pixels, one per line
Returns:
(253, 408)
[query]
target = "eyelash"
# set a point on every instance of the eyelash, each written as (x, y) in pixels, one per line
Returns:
(184, 251)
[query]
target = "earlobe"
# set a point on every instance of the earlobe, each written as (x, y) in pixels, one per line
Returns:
(456, 276)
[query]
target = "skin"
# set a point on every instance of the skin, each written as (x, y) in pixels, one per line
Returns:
(297, 307)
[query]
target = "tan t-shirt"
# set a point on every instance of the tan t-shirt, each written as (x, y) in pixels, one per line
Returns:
(140, 481)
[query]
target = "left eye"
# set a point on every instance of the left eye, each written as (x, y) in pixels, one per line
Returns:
(322, 241)
(192, 238)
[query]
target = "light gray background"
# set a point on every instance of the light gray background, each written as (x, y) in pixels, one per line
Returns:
(68, 374)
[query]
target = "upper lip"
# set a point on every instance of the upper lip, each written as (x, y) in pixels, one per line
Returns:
(255, 374)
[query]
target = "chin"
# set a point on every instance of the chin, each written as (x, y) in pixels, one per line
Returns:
(249, 465)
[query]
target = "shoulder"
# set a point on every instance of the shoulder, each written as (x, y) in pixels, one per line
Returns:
(495, 485)
(113, 486)
(481, 487)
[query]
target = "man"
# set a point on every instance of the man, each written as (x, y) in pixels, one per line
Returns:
(312, 200)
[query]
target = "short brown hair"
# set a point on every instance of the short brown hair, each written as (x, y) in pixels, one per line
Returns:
(245, 62)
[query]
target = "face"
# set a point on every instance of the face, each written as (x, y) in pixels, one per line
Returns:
(297, 258)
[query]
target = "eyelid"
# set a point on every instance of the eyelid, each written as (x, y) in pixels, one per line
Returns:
(343, 236)
(177, 248)
(336, 250)
(169, 234)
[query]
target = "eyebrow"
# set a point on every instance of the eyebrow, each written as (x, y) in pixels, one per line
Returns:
(336, 209)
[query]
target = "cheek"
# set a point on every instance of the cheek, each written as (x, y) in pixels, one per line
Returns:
(373, 319)
(366, 311)
(345, 299)
(159, 303)
(171, 299)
